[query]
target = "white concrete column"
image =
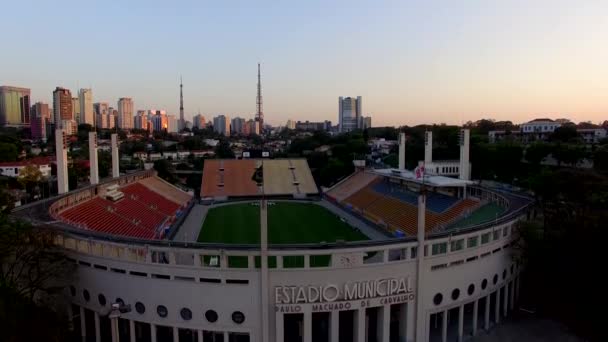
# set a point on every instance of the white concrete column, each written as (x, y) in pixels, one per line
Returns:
(200, 335)
(334, 326)
(306, 261)
(475, 314)
(114, 150)
(307, 327)
(176, 334)
(153, 332)
(505, 300)
(97, 328)
(93, 164)
(83, 325)
(383, 323)
(279, 333)
(486, 324)
(497, 307)
(359, 325)
(114, 326)
(132, 330)
(410, 331)
(460, 323)
(444, 326)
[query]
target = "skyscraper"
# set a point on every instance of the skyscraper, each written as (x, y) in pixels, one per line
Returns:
(198, 121)
(182, 122)
(221, 125)
(366, 122)
(76, 109)
(259, 115)
(39, 119)
(349, 114)
(62, 106)
(291, 124)
(140, 120)
(14, 106)
(237, 125)
(172, 124)
(101, 114)
(125, 113)
(85, 97)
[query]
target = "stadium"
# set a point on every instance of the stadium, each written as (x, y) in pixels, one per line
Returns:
(265, 255)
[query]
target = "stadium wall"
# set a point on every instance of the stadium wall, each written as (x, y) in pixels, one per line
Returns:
(180, 276)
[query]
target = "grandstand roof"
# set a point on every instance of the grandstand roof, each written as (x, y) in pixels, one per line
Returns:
(236, 178)
(432, 180)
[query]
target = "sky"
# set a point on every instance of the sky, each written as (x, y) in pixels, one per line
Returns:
(412, 62)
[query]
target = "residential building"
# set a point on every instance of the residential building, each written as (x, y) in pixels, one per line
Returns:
(140, 121)
(87, 112)
(14, 106)
(12, 169)
(221, 125)
(40, 116)
(76, 109)
(251, 127)
(366, 122)
(313, 126)
(159, 120)
(237, 125)
(349, 113)
(62, 106)
(125, 113)
(70, 127)
(172, 124)
(541, 129)
(291, 124)
(198, 121)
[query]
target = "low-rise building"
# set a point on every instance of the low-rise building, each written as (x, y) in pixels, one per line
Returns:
(12, 169)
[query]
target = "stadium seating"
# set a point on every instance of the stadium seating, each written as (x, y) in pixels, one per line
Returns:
(395, 207)
(351, 185)
(141, 213)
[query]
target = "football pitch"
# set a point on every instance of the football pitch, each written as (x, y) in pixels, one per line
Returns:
(287, 223)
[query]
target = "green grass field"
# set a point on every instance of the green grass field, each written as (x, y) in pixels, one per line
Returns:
(287, 223)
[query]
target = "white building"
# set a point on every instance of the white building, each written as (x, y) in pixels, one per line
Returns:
(198, 121)
(87, 111)
(221, 125)
(76, 109)
(349, 113)
(291, 124)
(125, 113)
(172, 124)
(12, 169)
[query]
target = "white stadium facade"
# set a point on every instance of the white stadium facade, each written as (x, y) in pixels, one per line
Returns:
(441, 276)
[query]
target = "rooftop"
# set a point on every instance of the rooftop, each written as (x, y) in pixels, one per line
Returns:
(432, 180)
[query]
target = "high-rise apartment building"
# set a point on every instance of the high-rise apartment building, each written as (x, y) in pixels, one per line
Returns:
(125, 113)
(140, 121)
(366, 122)
(87, 113)
(198, 121)
(76, 109)
(101, 114)
(172, 124)
(14, 106)
(39, 120)
(291, 124)
(237, 125)
(349, 113)
(159, 120)
(251, 127)
(62, 106)
(221, 125)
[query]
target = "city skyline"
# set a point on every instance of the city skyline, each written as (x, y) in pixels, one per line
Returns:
(413, 63)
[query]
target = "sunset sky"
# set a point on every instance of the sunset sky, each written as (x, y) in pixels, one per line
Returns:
(412, 61)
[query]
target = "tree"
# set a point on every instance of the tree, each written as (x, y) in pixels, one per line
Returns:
(535, 153)
(223, 150)
(600, 159)
(8, 152)
(565, 133)
(34, 271)
(30, 178)
(165, 170)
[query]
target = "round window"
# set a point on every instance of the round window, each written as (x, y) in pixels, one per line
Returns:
(455, 294)
(495, 279)
(102, 299)
(162, 311)
(186, 314)
(211, 316)
(484, 284)
(119, 301)
(238, 317)
(471, 289)
(86, 295)
(504, 274)
(438, 299)
(140, 307)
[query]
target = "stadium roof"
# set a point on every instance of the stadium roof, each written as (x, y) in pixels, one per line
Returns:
(432, 180)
